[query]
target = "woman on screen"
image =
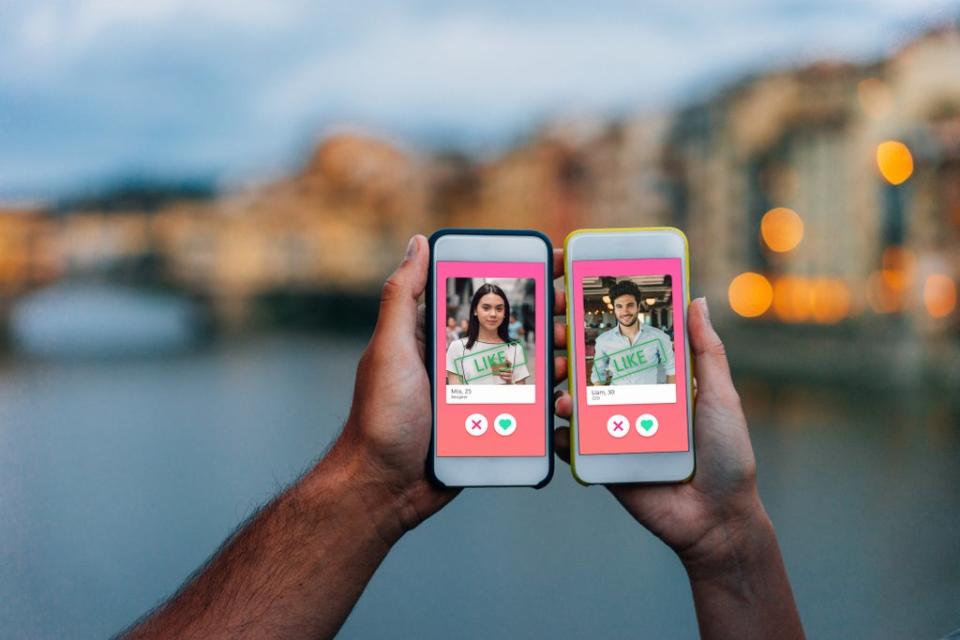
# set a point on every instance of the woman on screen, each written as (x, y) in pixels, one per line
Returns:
(487, 355)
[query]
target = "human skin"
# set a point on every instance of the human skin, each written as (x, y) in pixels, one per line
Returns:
(490, 314)
(716, 523)
(490, 311)
(296, 568)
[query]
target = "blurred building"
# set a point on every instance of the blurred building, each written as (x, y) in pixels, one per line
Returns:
(339, 225)
(28, 251)
(826, 196)
(824, 199)
(571, 174)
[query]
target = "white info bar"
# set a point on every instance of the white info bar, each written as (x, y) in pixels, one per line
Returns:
(491, 393)
(632, 394)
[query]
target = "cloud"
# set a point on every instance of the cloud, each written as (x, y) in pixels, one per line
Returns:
(101, 88)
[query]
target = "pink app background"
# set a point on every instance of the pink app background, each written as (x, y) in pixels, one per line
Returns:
(452, 438)
(592, 420)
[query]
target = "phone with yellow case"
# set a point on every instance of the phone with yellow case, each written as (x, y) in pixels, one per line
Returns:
(628, 291)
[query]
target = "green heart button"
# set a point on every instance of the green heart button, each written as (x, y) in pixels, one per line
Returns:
(646, 424)
(505, 424)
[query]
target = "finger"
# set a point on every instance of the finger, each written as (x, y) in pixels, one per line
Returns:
(559, 335)
(563, 405)
(710, 357)
(398, 301)
(557, 263)
(559, 369)
(421, 332)
(561, 443)
(559, 301)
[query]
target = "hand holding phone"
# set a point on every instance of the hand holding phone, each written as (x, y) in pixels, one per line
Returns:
(387, 434)
(724, 487)
(716, 523)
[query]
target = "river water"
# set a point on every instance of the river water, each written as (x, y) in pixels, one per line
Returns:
(118, 477)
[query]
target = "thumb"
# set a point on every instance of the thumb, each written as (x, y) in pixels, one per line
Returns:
(398, 300)
(710, 357)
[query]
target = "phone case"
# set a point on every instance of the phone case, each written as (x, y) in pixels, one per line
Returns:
(431, 356)
(568, 288)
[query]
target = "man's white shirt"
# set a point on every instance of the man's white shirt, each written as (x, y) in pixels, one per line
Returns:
(637, 361)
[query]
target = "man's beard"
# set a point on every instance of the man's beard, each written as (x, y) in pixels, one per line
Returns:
(636, 319)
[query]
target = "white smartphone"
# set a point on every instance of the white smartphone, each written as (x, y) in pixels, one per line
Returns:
(629, 356)
(490, 357)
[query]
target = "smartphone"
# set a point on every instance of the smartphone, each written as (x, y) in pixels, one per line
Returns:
(629, 356)
(490, 357)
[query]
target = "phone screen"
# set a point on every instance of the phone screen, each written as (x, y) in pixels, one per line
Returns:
(491, 361)
(631, 374)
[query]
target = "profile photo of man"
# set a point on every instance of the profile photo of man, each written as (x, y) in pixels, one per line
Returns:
(632, 352)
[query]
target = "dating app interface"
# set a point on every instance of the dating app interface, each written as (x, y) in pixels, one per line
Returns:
(629, 322)
(490, 358)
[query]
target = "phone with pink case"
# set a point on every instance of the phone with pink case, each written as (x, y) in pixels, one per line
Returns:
(629, 356)
(489, 356)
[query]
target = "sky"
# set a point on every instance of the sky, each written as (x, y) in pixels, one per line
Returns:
(93, 92)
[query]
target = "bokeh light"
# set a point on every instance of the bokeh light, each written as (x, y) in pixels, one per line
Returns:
(781, 229)
(750, 294)
(791, 299)
(821, 300)
(939, 295)
(895, 161)
(830, 299)
(897, 267)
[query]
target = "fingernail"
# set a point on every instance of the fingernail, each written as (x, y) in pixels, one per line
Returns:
(557, 394)
(706, 310)
(411, 248)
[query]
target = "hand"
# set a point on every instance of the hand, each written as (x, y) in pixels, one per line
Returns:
(296, 569)
(506, 373)
(715, 523)
(388, 430)
(696, 518)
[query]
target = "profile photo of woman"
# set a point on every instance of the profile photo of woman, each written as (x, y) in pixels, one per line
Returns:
(486, 355)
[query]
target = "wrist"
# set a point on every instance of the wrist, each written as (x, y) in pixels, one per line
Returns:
(365, 502)
(739, 541)
(739, 582)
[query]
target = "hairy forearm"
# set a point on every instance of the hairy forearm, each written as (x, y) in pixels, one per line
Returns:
(295, 569)
(740, 587)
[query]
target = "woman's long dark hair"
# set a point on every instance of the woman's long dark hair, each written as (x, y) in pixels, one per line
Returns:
(473, 330)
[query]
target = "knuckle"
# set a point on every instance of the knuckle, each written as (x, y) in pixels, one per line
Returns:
(391, 288)
(716, 348)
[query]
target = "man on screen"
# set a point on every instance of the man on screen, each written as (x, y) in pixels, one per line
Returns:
(631, 352)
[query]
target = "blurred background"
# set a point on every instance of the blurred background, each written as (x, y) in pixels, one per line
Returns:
(199, 202)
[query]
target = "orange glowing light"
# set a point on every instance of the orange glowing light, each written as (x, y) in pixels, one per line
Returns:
(792, 299)
(895, 161)
(781, 229)
(830, 300)
(750, 294)
(939, 295)
(898, 268)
